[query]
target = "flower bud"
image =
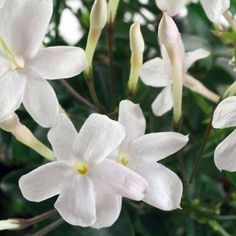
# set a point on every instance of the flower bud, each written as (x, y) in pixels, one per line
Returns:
(112, 10)
(137, 47)
(170, 39)
(13, 224)
(167, 31)
(98, 16)
(98, 19)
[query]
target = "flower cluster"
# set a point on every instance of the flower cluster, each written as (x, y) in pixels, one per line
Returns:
(91, 170)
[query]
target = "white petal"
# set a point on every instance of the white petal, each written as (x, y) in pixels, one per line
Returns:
(29, 26)
(192, 57)
(225, 114)
(157, 146)
(172, 7)
(8, 10)
(59, 62)
(40, 100)
(62, 136)
(45, 181)
(132, 118)
(108, 209)
(225, 154)
(12, 87)
(154, 73)
(164, 102)
(215, 8)
(165, 188)
(98, 137)
(114, 178)
(76, 204)
(4, 65)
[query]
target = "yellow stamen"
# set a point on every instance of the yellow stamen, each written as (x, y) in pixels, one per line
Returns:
(123, 160)
(82, 168)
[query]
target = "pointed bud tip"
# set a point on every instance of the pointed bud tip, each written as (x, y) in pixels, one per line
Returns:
(168, 32)
(136, 38)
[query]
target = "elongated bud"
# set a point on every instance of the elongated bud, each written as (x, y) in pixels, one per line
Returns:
(112, 10)
(25, 136)
(11, 224)
(167, 31)
(137, 47)
(169, 37)
(98, 15)
(98, 19)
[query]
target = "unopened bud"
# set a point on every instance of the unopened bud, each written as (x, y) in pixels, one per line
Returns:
(170, 39)
(168, 32)
(98, 15)
(137, 47)
(112, 10)
(13, 224)
(98, 19)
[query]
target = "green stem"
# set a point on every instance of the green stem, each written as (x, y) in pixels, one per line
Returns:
(202, 150)
(77, 96)
(49, 228)
(92, 91)
(177, 128)
(112, 81)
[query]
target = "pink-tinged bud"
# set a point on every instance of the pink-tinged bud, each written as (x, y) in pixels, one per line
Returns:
(168, 32)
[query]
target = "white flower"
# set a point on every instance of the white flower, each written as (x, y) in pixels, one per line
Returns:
(224, 117)
(214, 8)
(141, 152)
(89, 187)
(25, 66)
(158, 73)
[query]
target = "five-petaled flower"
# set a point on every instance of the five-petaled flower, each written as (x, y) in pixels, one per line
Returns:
(214, 9)
(225, 117)
(141, 152)
(89, 186)
(25, 66)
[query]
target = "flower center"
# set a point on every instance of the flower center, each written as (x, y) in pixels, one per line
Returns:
(123, 160)
(82, 168)
(17, 62)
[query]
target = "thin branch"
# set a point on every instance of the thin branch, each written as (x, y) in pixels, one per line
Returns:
(77, 96)
(49, 228)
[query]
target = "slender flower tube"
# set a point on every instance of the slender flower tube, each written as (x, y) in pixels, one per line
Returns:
(112, 10)
(170, 38)
(25, 136)
(137, 47)
(141, 153)
(90, 187)
(98, 20)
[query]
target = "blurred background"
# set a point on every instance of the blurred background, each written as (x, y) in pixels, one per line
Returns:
(210, 207)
